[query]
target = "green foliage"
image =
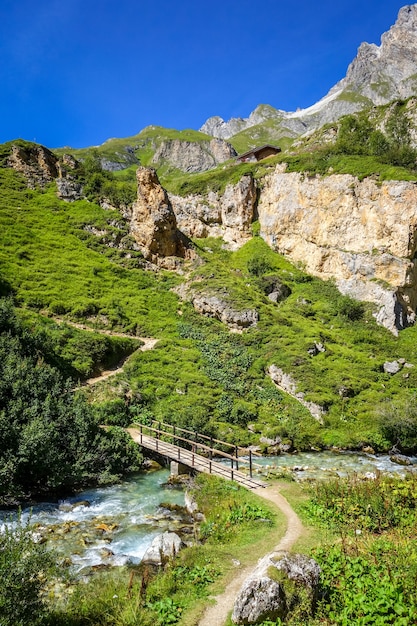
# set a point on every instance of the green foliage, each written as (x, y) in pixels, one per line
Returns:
(49, 439)
(228, 508)
(357, 505)
(258, 266)
(398, 423)
(25, 569)
(100, 184)
(354, 134)
(350, 309)
(167, 611)
(372, 585)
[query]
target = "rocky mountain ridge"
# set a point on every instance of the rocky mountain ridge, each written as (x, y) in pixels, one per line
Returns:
(377, 75)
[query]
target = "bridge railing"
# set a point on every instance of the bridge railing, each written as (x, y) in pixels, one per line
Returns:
(174, 436)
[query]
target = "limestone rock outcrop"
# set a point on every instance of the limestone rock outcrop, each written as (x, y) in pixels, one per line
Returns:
(286, 383)
(215, 306)
(362, 234)
(37, 164)
(153, 223)
(265, 594)
(228, 215)
(193, 156)
(40, 167)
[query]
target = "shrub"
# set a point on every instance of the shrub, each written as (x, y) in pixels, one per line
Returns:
(258, 265)
(25, 568)
(350, 309)
(398, 424)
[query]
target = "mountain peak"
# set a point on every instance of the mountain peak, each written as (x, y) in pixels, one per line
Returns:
(377, 75)
(387, 72)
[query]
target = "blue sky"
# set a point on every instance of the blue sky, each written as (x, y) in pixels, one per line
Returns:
(77, 72)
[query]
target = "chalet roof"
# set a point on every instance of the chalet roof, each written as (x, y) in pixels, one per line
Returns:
(255, 151)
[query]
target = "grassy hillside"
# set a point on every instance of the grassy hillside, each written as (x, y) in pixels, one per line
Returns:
(58, 259)
(138, 148)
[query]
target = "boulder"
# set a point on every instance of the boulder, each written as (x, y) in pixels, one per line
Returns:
(400, 459)
(37, 164)
(153, 223)
(162, 548)
(68, 189)
(276, 587)
(391, 367)
(286, 383)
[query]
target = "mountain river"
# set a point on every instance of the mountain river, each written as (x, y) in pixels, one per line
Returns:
(115, 525)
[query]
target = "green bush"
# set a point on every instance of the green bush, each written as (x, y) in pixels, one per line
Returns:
(26, 568)
(258, 266)
(398, 424)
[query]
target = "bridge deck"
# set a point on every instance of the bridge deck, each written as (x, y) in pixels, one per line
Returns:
(193, 460)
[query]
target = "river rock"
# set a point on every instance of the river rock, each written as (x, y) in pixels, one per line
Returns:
(400, 459)
(267, 594)
(162, 548)
(190, 503)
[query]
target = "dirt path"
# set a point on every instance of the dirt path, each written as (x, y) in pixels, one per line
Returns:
(216, 614)
(147, 344)
(101, 331)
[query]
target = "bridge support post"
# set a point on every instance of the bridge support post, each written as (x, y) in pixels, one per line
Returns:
(177, 468)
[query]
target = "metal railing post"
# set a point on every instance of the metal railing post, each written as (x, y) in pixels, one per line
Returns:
(211, 449)
(250, 463)
(237, 455)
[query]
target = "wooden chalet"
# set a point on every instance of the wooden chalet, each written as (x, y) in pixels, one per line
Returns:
(257, 154)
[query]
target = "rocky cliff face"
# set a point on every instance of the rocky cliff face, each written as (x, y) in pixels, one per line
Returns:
(37, 164)
(153, 223)
(362, 234)
(193, 156)
(378, 74)
(228, 215)
(386, 72)
(40, 167)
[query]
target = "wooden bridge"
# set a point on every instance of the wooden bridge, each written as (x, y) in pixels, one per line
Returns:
(175, 445)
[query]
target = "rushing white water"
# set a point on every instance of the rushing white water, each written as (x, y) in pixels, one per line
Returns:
(313, 465)
(105, 526)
